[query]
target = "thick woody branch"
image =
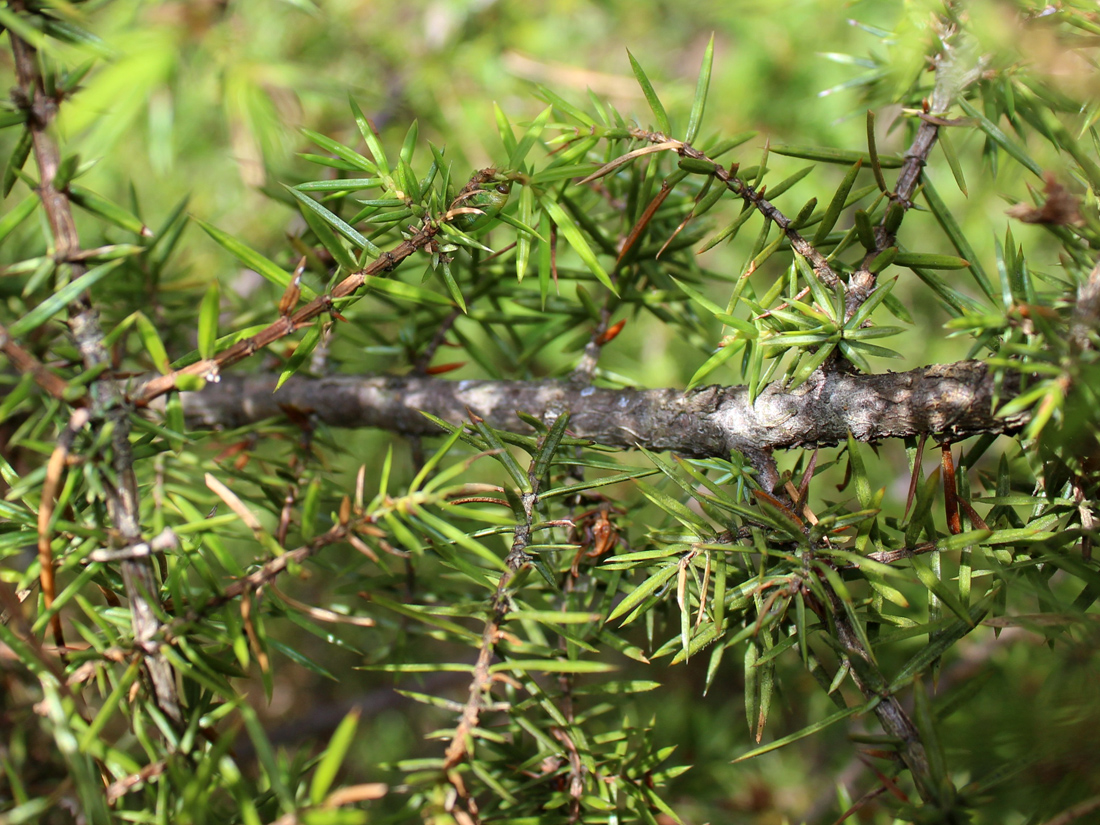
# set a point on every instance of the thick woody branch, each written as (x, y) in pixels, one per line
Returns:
(951, 401)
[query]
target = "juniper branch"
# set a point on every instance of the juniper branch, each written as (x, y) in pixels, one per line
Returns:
(749, 193)
(107, 401)
(950, 80)
(951, 401)
(210, 369)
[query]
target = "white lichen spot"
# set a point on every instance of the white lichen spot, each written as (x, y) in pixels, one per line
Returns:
(587, 391)
(623, 402)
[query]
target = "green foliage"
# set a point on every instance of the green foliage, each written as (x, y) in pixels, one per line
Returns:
(569, 623)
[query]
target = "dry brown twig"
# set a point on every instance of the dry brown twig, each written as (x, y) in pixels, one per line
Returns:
(54, 469)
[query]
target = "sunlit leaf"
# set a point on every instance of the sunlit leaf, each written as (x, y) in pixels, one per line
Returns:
(651, 96)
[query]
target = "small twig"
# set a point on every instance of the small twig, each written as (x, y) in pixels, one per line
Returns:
(586, 367)
(318, 359)
(27, 364)
(479, 686)
(482, 681)
(290, 498)
(54, 469)
(267, 573)
(166, 540)
(576, 772)
(949, 83)
(421, 365)
(106, 399)
(516, 558)
(1088, 518)
(767, 470)
(750, 195)
(210, 369)
(889, 711)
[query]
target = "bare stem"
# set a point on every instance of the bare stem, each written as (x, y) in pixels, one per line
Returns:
(891, 715)
(951, 401)
(586, 368)
(265, 574)
(425, 359)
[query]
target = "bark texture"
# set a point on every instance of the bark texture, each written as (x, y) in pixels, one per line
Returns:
(950, 402)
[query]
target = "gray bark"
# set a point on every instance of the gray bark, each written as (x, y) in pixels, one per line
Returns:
(949, 402)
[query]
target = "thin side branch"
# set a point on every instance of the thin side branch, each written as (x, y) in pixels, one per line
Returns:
(210, 369)
(499, 607)
(949, 82)
(27, 364)
(268, 572)
(889, 711)
(586, 367)
(107, 403)
(749, 194)
(54, 469)
(480, 685)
